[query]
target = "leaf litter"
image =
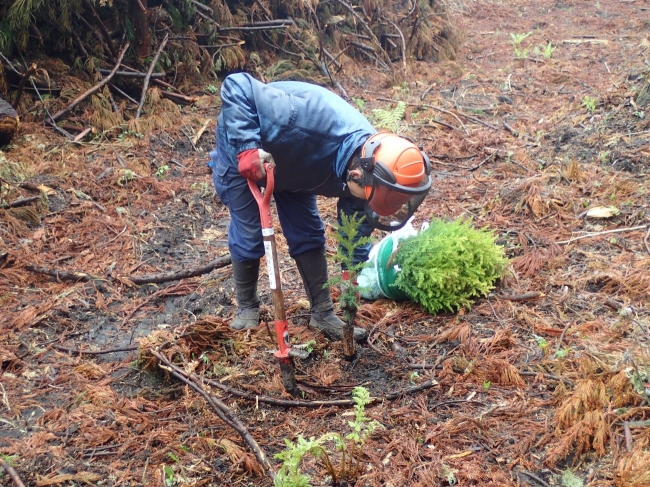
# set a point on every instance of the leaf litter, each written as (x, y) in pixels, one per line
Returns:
(519, 388)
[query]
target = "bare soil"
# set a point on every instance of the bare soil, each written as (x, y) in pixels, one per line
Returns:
(534, 380)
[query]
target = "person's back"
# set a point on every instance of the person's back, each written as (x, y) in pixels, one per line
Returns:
(311, 132)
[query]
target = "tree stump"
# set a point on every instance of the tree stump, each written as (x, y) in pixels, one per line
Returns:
(8, 122)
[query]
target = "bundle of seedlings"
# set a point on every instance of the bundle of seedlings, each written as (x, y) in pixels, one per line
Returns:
(448, 264)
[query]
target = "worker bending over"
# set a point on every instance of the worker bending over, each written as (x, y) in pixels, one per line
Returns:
(318, 144)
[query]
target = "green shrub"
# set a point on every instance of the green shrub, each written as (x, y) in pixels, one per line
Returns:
(448, 264)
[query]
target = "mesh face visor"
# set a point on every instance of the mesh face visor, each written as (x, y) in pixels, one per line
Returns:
(390, 205)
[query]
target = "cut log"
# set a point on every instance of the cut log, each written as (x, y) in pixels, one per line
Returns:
(8, 122)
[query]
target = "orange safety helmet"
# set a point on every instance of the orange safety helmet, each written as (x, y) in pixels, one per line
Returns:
(397, 178)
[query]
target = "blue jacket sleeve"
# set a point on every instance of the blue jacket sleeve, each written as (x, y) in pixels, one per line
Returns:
(239, 96)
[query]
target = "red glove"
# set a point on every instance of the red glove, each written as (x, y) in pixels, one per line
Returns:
(251, 163)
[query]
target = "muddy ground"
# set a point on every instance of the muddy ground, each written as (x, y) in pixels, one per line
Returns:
(540, 383)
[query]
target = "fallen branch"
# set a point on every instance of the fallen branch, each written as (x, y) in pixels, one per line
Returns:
(12, 473)
(92, 90)
(510, 129)
(178, 98)
(520, 297)
(102, 27)
(401, 35)
(175, 276)
(198, 135)
(482, 162)
(612, 303)
(302, 403)
(131, 74)
(81, 135)
(145, 85)
(532, 476)
(28, 74)
(21, 202)
(262, 25)
(63, 275)
(358, 18)
(76, 276)
(222, 410)
(94, 352)
(606, 232)
(199, 5)
(546, 376)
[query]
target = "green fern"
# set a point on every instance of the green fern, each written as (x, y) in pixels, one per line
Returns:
(448, 264)
(389, 119)
(362, 427)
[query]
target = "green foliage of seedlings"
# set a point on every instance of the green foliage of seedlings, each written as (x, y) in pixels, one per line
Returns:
(569, 479)
(170, 476)
(486, 385)
(521, 53)
(161, 171)
(548, 50)
(346, 238)
(589, 103)
(448, 264)
(212, 89)
(125, 176)
(542, 343)
(360, 103)
(389, 119)
(516, 40)
(448, 473)
(350, 449)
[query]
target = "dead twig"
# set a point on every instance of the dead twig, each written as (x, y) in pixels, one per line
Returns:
(198, 135)
(546, 376)
(510, 129)
(92, 90)
(401, 35)
(21, 202)
(612, 303)
(533, 476)
(605, 232)
(12, 473)
(145, 84)
(94, 352)
(519, 297)
(102, 28)
(372, 35)
(63, 275)
(199, 5)
(484, 161)
(628, 436)
(222, 410)
(21, 87)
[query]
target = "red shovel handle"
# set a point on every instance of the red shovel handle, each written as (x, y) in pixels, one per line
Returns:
(264, 200)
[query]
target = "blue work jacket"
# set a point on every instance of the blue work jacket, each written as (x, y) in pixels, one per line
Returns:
(310, 132)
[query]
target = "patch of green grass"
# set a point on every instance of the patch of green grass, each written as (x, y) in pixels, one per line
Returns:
(589, 103)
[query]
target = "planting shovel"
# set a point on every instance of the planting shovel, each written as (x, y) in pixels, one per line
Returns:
(284, 352)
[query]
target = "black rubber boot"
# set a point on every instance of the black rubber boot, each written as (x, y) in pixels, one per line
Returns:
(313, 269)
(248, 302)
